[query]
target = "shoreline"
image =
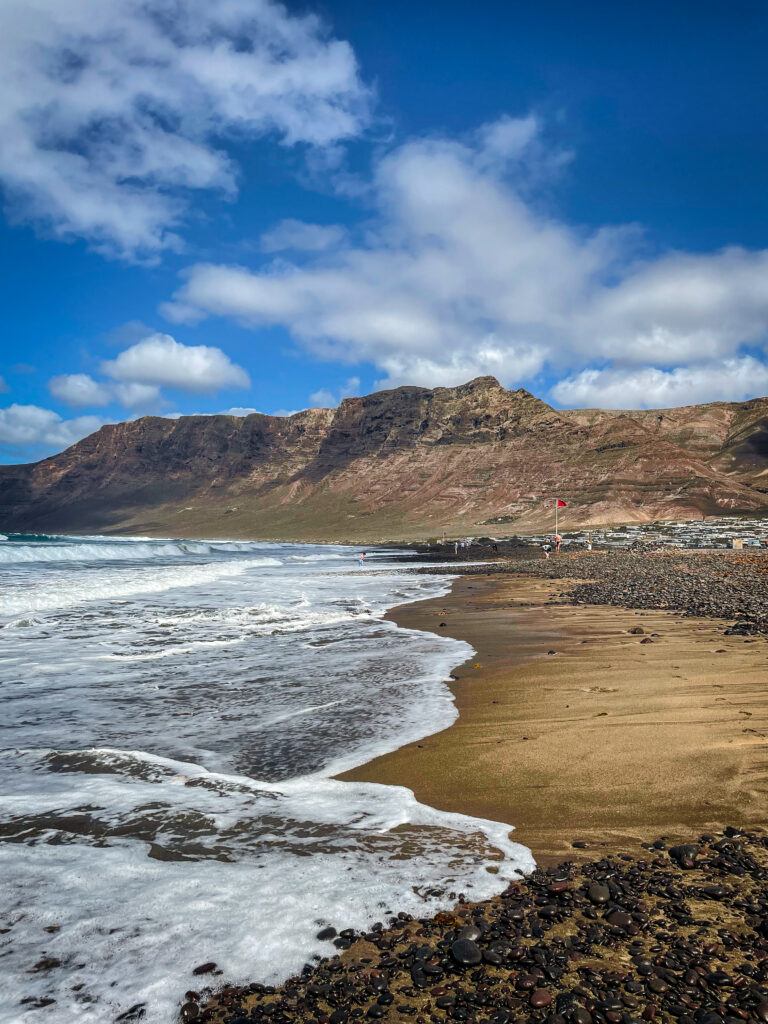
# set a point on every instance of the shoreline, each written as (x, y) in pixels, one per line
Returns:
(605, 735)
(616, 738)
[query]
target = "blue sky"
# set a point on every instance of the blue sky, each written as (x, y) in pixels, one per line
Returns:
(234, 204)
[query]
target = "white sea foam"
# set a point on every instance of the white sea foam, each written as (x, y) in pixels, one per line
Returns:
(171, 733)
(45, 594)
(257, 914)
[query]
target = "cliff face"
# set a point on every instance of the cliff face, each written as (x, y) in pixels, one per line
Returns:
(404, 463)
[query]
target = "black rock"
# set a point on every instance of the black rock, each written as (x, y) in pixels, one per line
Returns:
(685, 855)
(619, 919)
(466, 953)
(207, 968)
(599, 893)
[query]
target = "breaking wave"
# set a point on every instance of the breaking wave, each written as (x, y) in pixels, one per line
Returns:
(52, 550)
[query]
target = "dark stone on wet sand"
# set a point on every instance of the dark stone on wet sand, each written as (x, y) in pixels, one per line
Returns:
(540, 998)
(326, 933)
(619, 919)
(466, 953)
(599, 893)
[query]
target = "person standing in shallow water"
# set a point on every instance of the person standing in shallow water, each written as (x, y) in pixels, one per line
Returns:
(362, 558)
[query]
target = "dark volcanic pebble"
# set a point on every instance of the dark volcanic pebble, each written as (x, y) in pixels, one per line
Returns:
(208, 968)
(466, 953)
(599, 893)
(540, 998)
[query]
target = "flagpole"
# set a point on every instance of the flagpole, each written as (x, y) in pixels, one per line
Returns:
(556, 511)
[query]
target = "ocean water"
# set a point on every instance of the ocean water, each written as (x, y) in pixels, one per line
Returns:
(172, 716)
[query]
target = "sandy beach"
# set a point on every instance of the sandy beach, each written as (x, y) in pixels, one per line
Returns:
(590, 724)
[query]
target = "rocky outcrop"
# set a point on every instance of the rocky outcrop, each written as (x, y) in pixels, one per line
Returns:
(398, 464)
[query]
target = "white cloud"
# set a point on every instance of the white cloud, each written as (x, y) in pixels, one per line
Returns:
(141, 397)
(326, 399)
(79, 389)
(462, 273)
(648, 387)
(298, 235)
(159, 360)
(111, 111)
(681, 307)
(458, 277)
(24, 427)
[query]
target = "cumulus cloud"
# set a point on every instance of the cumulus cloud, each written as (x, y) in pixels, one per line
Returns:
(140, 397)
(326, 399)
(25, 428)
(463, 273)
(138, 374)
(79, 389)
(298, 235)
(159, 360)
(112, 111)
(648, 387)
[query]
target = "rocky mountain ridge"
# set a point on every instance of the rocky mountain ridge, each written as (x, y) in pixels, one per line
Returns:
(405, 463)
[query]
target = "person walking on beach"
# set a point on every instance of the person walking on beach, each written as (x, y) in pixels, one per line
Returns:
(558, 543)
(362, 558)
(456, 548)
(546, 548)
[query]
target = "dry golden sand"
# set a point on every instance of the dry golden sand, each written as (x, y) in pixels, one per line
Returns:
(608, 740)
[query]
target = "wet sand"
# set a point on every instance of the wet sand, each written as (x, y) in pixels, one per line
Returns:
(609, 740)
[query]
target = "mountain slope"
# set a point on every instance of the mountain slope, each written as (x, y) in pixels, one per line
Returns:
(398, 464)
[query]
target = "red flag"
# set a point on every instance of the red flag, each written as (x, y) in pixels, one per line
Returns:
(562, 504)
